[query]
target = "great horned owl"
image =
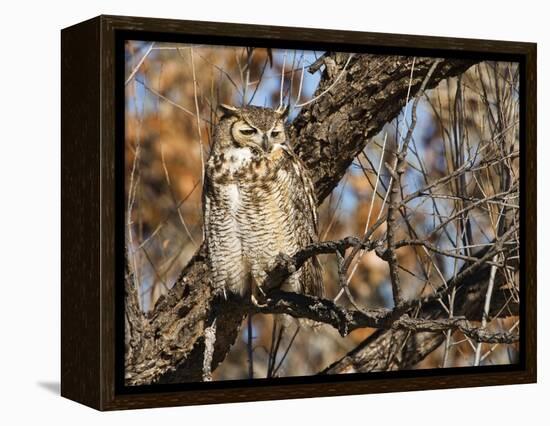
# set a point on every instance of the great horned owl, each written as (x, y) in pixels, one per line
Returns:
(258, 202)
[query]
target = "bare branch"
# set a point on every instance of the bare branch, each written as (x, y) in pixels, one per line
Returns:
(346, 320)
(137, 67)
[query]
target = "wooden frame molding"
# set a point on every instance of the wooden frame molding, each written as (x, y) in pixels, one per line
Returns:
(91, 180)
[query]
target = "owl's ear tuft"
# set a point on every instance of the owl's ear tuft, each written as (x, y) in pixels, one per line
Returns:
(283, 111)
(227, 110)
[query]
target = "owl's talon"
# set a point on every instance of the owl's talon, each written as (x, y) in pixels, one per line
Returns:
(220, 292)
(256, 303)
(261, 291)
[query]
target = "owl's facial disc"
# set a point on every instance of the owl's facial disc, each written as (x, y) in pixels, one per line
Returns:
(247, 135)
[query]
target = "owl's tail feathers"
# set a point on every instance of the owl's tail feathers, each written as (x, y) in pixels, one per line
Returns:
(308, 281)
(313, 278)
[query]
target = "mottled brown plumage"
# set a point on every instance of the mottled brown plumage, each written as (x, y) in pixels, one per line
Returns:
(258, 202)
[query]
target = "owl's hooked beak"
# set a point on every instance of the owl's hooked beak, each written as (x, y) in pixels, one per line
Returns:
(266, 143)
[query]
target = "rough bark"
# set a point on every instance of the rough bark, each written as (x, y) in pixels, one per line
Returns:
(167, 344)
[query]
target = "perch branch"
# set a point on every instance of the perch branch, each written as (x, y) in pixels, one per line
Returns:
(347, 320)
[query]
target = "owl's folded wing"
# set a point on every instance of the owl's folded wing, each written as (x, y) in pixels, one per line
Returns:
(303, 205)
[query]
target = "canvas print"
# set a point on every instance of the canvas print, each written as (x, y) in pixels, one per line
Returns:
(296, 213)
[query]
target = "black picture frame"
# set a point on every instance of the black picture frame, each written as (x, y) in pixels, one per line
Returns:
(92, 208)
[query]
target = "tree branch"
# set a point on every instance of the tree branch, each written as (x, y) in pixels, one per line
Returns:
(347, 320)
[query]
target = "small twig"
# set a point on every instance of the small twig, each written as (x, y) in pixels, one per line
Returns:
(258, 83)
(170, 101)
(165, 220)
(486, 307)
(374, 192)
(426, 245)
(132, 189)
(197, 114)
(137, 67)
(328, 89)
(287, 350)
(282, 82)
(222, 71)
(335, 209)
(300, 86)
(276, 339)
(173, 196)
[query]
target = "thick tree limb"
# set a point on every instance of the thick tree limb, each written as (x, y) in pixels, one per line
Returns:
(347, 320)
(167, 344)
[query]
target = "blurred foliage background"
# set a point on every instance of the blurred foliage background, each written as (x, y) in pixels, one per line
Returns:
(172, 91)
